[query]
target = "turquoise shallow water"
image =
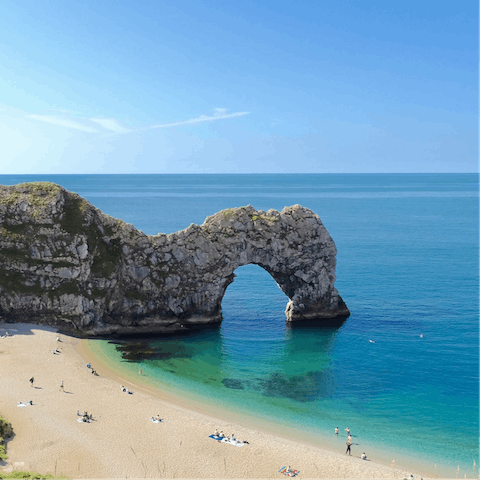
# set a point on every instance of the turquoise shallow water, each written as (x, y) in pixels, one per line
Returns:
(407, 266)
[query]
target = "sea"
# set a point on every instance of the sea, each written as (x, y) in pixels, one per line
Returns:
(402, 372)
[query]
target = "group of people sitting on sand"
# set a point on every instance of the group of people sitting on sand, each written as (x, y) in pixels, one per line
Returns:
(156, 419)
(93, 371)
(85, 417)
(126, 390)
(290, 472)
(24, 404)
(220, 435)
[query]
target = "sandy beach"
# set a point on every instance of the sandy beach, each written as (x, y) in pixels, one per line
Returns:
(121, 441)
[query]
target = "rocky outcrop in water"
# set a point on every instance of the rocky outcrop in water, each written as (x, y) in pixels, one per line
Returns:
(64, 262)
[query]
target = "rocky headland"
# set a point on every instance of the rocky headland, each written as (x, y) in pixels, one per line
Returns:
(63, 262)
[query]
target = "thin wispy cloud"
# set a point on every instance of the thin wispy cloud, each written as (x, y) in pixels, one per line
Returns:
(63, 111)
(218, 114)
(64, 122)
(111, 126)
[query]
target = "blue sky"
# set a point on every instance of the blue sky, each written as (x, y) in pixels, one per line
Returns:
(238, 87)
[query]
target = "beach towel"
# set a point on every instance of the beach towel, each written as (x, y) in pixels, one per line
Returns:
(22, 404)
(154, 420)
(293, 473)
(80, 420)
(225, 440)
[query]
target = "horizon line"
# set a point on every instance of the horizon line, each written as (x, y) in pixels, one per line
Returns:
(253, 173)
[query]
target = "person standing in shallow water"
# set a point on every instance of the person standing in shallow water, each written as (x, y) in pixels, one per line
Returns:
(349, 444)
(336, 430)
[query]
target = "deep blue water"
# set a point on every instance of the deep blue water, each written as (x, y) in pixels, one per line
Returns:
(407, 265)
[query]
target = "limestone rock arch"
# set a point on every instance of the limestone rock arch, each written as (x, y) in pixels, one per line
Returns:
(64, 262)
(293, 246)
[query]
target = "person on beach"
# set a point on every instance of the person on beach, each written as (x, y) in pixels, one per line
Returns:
(215, 433)
(62, 389)
(336, 430)
(364, 457)
(348, 431)
(349, 445)
(222, 435)
(349, 437)
(31, 381)
(140, 372)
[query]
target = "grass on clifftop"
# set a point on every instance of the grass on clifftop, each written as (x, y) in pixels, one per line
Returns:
(40, 193)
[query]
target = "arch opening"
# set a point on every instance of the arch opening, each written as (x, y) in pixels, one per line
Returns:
(253, 295)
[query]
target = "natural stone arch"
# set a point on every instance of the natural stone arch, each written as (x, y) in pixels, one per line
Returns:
(293, 246)
(64, 262)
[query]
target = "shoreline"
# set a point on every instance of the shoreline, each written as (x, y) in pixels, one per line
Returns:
(225, 414)
(121, 441)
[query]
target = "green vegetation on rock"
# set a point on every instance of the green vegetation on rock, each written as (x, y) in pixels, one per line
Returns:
(135, 295)
(41, 192)
(9, 199)
(15, 229)
(14, 282)
(26, 475)
(74, 214)
(69, 288)
(6, 431)
(106, 254)
(97, 293)
(107, 257)
(21, 256)
(264, 217)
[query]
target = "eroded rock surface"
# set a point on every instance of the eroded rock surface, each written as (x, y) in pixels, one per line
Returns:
(64, 262)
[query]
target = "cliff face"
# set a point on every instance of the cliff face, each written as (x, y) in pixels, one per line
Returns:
(64, 262)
